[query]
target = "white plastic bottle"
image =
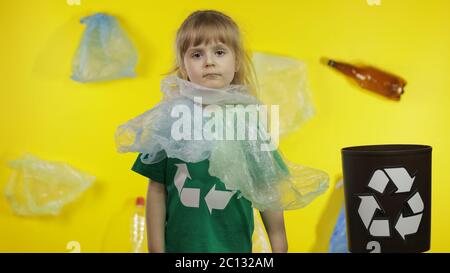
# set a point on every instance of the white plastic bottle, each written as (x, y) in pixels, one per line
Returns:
(137, 230)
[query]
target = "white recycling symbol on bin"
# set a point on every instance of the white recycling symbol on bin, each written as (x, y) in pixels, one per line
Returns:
(369, 205)
(190, 197)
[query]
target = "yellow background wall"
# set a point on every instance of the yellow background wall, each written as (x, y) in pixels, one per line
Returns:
(44, 112)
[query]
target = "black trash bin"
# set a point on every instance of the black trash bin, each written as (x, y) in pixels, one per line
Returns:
(387, 197)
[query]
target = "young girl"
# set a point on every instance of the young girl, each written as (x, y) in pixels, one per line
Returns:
(201, 192)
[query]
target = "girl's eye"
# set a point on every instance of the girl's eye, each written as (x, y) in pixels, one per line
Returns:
(220, 52)
(196, 55)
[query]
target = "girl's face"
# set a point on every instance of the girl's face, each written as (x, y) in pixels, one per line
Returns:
(211, 65)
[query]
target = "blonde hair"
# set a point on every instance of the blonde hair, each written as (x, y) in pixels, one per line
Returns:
(204, 26)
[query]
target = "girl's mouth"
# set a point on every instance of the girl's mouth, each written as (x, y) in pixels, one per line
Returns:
(212, 75)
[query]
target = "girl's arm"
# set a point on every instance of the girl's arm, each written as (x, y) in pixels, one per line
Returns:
(156, 216)
(274, 224)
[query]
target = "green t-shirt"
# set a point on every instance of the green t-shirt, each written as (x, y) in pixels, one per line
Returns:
(202, 215)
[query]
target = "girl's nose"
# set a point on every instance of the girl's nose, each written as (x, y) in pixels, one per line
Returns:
(209, 60)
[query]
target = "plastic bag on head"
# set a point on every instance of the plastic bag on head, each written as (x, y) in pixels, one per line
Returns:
(39, 187)
(105, 52)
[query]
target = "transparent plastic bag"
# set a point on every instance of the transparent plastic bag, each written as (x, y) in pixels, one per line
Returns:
(284, 81)
(261, 175)
(105, 51)
(266, 178)
(150, 132)
(39, 187)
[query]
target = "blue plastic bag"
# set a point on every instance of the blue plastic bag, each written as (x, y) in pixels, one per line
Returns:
(338, 241)
(105, 52)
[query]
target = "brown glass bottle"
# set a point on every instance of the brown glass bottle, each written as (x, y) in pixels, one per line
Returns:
(372, 79)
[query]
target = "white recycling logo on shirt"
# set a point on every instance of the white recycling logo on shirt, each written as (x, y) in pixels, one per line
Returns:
(369, 204)
(190, 197)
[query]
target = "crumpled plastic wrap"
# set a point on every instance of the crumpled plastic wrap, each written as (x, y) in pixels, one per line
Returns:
(284, 81)
(264, 177)
(261, 176)
(105, 52)
(38, 187)
(150, 134)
